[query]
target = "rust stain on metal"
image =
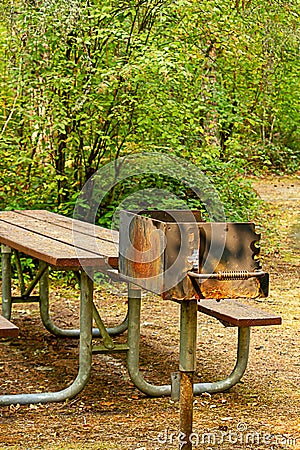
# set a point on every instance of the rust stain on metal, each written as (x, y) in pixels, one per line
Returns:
(146, 242)
(230, 288)
(164, 247)
(186, 408)
(240, 252)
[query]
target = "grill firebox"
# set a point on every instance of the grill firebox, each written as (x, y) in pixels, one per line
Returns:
(178, 256)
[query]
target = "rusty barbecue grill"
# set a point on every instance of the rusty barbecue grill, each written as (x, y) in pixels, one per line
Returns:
(176, 255)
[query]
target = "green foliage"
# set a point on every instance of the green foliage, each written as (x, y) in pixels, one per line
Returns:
(85, 82)
(143, 192)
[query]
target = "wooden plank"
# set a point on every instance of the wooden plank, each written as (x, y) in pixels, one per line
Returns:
(82, 241)
(7, 329)
(237, 314)
(72, 224)
(51, 251)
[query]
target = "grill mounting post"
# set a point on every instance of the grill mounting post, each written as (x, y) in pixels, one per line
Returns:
(187, 367)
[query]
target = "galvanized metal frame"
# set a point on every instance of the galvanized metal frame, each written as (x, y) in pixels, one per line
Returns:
(70, 333)
(6, 281)
(84, 333)
(85, 356)
(133, 320)
(42, 277)
(133, 339)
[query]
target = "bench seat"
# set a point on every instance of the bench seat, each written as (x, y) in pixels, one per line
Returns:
(235, 313)
(7, 329)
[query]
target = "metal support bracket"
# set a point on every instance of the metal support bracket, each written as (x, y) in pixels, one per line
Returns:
(175, 386)
(134, 306)
(25, 296)
(118, 348)
(25, 293)
(107, 340)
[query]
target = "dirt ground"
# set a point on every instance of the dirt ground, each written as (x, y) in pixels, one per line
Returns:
(261, 412)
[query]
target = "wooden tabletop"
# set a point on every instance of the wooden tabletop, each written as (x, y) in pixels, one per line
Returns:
(58, 240)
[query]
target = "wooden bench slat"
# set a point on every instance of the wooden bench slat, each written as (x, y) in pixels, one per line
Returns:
(7, 329)
(237, 314)
(53, 252)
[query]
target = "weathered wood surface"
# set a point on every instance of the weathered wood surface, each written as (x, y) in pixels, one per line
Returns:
(237, 314)
(72, 224)
(58, 240)
(7, 329)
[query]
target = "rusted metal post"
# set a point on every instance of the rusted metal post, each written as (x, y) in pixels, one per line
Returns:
(187, 367)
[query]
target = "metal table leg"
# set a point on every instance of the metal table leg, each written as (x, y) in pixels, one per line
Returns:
(60, 332)
(85, 355)
(6, 281)
(133, 341)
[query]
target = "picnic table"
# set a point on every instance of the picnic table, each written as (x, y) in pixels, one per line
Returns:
(67, 244)
(48, 237)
